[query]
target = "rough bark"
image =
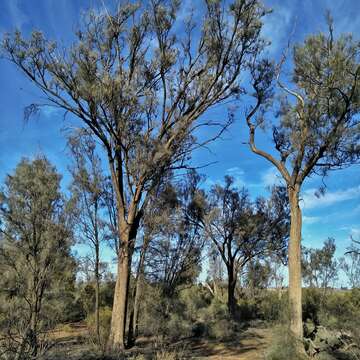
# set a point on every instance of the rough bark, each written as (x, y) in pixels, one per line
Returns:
(118, 318)
(127, 235)
(97, 293)
(137, 293)
(295, 287)
(231, 291)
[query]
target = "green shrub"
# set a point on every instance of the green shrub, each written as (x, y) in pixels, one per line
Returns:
(223, 329)
(272, 307)
(178, 326)
(311, 305)
(283, 346)
(104, 325)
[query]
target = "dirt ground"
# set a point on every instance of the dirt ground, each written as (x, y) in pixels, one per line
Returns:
(250, 345)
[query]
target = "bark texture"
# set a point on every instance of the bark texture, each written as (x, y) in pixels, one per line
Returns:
(137, 293)
(119, 311)
(231, 290)
(295, 302)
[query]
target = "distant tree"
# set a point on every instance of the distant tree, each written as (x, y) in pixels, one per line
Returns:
(355, 246)
(87, 187)
(319, 267)
(35, 262)
(317, 131)
(144, 103)
(215, 271)
(175, 250)
(257, 276)
(350, 264)
(242, 230)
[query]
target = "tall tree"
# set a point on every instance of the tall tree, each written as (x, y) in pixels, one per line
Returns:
(317, 130)
(35, 260)
(88, 186)
(242, 231)
(143, 102)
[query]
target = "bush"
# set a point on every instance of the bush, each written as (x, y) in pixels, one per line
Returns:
(283, 347)
(271, 307)
(104, 324)
(311, 305)
(178, 327)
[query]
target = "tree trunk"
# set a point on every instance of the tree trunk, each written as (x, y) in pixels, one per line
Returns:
(231, 291)
(295, 284)
(97, 294)
(119, 310)
(134, 316)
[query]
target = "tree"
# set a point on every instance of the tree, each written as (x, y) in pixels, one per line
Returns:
(159, 207)
(176, 245)
(242, 231)
(35, 260)
(143, 102)
(317, 130)
(257, 276)
(319, 267)
(87, 189)
(350, 264)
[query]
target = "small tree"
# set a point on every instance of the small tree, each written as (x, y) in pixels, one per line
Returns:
(319, 267)
(242, 231)
(143, 103)
(35, 261)
(175, 249)
(350, 264)
(318, 129)
(87, 189)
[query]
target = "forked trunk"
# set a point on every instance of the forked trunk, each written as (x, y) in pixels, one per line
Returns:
(295, 287)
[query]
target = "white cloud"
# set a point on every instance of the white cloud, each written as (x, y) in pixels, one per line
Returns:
(310, 219)
(271, 177)
(311, 201)
(50, 111)
(276, 26)
(238, 175)
(18, 17)
(235, 172)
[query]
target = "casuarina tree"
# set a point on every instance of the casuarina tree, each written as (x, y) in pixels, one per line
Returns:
(317, 128)
(140, 86)
(242, 230)
(35, 261)
(88, 192)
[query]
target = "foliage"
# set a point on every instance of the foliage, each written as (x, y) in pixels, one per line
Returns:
(104, 326)
(176, 237)
(37, 269)
(319, 268)
(242, 230)
(283, 347)
(350, 265)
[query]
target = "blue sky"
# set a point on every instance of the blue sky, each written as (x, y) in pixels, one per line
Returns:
(336, 214)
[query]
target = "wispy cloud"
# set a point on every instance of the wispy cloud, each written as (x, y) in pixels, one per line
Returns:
(271, 177)
(310, 219)
(276, 27)
(17, 16)
(352, 230)
(235, 172)
(311, 201)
